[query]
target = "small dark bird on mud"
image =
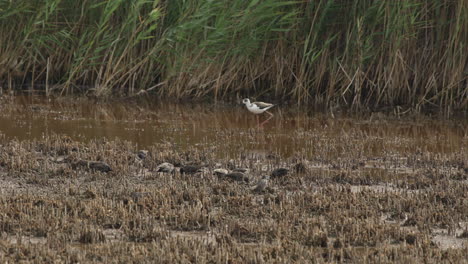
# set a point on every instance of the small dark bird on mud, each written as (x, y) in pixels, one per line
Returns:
(234, 175)
(92, 165)
(262, 184)
(220, 172)
(238, 176)
(243, 170)
(142, 154)
(280, 172)
(100, 166)
(300, 168)
(190, 169)
(165, 167)
(136, 196)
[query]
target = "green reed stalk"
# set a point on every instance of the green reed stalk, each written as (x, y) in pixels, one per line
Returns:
(360, 54)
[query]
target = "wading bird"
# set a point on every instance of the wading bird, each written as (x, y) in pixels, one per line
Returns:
(258, 108)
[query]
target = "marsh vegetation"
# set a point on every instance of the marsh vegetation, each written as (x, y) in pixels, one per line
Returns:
(354, 54)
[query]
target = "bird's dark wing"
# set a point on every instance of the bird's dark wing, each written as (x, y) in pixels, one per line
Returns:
(262, 105)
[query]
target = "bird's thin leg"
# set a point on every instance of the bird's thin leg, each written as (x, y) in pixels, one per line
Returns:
(268, 119)
(264, 122)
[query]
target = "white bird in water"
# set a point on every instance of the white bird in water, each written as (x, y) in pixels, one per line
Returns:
(258, 108)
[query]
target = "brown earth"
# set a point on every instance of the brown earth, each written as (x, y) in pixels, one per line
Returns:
(351, 206)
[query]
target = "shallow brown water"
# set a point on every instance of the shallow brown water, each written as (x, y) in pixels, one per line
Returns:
(289, 133)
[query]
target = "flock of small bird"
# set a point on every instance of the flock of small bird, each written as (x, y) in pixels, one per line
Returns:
(233, 173)
(236, 174)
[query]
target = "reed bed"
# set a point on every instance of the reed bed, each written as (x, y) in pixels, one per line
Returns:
(355, 54)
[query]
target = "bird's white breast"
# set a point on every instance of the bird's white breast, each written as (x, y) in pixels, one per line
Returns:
(254, 109)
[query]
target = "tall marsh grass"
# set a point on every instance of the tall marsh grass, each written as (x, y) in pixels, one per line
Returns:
(358, 54)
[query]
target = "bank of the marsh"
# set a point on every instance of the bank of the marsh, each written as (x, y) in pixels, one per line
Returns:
(60, 202)
(83, 182)
(361, 54)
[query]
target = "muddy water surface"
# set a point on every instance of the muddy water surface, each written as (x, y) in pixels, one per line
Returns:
(288, 133)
